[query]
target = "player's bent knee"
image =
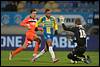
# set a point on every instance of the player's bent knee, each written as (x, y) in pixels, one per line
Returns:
(70, 56)
(24, 46)
(49, 43)
(38, 40)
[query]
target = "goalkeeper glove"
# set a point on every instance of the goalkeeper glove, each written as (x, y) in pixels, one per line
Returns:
(61, 19)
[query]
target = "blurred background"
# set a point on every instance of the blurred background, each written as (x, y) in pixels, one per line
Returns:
(13, 12)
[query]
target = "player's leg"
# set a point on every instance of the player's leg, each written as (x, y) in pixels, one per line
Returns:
(41, 53)
(81, 52)
(37, 44)
(85, 58)
(43, 50)
(78, 51)
(73, 57)
(49, 43)
(28, 40)
(47, 46)
(18, 50)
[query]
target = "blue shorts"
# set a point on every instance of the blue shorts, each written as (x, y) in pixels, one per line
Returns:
(48, 36)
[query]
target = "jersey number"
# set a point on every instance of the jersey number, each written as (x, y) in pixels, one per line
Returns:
(48, 30)
(82, 34)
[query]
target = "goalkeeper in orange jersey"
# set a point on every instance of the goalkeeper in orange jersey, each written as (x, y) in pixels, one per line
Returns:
(30, 23)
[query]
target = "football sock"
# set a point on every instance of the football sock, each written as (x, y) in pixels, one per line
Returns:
(51, 52)
(41, 53)
(36, 49)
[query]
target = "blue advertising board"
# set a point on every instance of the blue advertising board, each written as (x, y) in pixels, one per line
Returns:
(12, 18)
(61, 42)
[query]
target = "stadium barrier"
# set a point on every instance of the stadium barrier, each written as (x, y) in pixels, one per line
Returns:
(61, 42)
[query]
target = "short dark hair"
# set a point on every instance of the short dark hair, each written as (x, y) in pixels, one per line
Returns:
(78, 21)
(46, 10)
(33, 10)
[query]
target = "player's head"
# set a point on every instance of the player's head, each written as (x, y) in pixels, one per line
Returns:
(33, 13)
(48, 12)
(77, 21)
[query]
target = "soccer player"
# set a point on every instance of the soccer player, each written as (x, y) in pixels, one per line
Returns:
(30, 23)
(50, 26)
(77, 54)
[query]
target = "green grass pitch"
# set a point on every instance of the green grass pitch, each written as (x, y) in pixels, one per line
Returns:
(23, 59)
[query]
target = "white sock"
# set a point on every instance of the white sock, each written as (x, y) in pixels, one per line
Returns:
(41, 53)
(51, 52)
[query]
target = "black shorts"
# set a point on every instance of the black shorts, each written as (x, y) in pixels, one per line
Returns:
(79, 51)
(81, 41)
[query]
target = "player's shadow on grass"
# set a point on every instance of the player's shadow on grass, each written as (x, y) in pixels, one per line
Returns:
(43, 61)
(28, 60)
(67, 62)
(38, 61)
(75, 63)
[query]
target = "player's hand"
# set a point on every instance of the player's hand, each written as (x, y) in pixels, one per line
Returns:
(61, 19)
(39, 29)
(42, 24)
(42, 31)
(28, 26)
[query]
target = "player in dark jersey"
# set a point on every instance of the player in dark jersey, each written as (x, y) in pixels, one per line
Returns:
(77, 54)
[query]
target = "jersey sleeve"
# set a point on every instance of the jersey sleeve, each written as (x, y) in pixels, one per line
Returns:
(24, 22)
(55, 24)
(38, 22)
(68, 29)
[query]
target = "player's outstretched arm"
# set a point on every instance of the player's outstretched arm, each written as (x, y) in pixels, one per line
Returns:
(55, 26)
(61, 18)
(39, 29)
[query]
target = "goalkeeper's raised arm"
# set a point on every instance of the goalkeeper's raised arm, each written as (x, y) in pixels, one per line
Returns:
(61, 18)
(64, 26)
